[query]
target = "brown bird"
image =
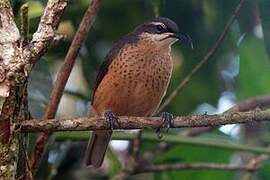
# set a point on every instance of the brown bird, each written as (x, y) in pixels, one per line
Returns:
(133, 79)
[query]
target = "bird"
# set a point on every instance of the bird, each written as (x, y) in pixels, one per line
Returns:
(133, 79)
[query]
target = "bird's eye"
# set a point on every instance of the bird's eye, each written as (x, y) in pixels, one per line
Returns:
(160, 28)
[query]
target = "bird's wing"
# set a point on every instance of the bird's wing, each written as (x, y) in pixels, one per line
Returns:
(128, 39)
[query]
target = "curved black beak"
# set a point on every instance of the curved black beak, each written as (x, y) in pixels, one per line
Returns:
(184, 38)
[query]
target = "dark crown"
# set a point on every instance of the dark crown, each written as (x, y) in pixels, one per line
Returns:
(158, 25)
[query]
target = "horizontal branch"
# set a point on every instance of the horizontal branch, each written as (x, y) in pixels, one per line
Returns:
(246, 105)
(251, 103)
(124, 122)
(194, 166)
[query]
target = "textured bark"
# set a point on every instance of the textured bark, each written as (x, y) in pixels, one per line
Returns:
(99, 123)
(9, 35)
(16, 60)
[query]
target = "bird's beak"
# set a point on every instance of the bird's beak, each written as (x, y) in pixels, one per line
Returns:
(184, 38)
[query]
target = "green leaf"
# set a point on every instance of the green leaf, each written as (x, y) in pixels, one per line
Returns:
(253, 79)
(114, 163)
(264, 6)
(263, 173)
(35, 9)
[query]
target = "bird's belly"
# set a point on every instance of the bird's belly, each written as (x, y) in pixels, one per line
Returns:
(128, 98)
(143, 100)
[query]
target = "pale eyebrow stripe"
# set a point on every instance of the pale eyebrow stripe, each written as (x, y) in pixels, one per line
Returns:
(158, 23)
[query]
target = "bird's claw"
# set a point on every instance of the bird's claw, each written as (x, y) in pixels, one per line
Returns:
(167, 122)
(111, 119)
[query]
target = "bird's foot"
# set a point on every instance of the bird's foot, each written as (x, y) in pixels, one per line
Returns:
(111, 119)
(167, 122)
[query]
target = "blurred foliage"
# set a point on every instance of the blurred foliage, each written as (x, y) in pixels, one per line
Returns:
(264, 5)
(256, 67)
(39, 92)
(194, 154)
(241, 67)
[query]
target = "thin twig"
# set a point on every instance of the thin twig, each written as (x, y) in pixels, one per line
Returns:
(195, 166)
(210, 53)
(250, 104)
(28, 173)
(70, 58)
(244, 106)
(62, 78)
(24, 20)
(255, 162)
(46, 29)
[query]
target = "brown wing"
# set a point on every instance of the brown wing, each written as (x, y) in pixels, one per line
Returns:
(128, 39)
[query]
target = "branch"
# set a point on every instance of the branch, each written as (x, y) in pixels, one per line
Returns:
(244, 106)
(16, 60)
(63, 76)
(204, 60)
(69, 61)
(250, 104)
(255, 162)
(194, 166)
(24, 21)
(47, 26)
(9, 146)
(9, 34)
(99, 123)
(44, 37)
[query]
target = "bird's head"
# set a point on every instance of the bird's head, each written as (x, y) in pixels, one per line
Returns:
(163, 32)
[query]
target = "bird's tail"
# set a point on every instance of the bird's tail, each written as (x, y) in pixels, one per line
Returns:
(97, 147)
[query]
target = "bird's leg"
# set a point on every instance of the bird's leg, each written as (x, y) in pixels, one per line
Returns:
(167, 122)
(111, 119)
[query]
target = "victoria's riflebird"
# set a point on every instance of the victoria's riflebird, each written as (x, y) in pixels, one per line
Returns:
(133, 78)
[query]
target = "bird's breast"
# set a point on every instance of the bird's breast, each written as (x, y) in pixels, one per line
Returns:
(135, 83)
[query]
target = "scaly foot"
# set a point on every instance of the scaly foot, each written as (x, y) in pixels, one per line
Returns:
(111, 119)
(167, 122)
